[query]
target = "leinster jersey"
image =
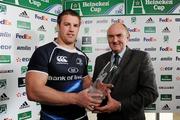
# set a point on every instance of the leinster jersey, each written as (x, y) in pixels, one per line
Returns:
(65, 69)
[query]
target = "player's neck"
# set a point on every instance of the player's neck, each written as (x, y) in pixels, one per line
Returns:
(65, 45)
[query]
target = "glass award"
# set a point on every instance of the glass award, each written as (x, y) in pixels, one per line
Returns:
(98, 86)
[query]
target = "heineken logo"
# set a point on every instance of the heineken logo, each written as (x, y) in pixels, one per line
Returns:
(152, 6)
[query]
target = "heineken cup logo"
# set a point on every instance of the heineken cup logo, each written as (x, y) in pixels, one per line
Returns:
(137, 7)
(76, 7)
(17, 2)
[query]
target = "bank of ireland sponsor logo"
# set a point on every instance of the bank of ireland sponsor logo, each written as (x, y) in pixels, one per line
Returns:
(73, 70)
(86, 49)
(178, 48)
(166, 97)
(149, 29)
(61, 60)
(166, 78)
(3, 109)
(3, 9)
(3, 83)
(25, 115)
(24, 25)
(151, 107)
(5, 59)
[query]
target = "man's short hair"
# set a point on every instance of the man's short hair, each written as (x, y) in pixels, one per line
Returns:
(67, 12)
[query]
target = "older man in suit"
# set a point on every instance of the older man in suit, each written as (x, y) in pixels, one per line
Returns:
(133, 80)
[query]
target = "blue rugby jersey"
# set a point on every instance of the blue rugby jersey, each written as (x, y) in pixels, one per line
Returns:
(65, 69)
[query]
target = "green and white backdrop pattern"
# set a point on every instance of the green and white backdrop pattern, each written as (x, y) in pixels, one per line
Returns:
(154, 26)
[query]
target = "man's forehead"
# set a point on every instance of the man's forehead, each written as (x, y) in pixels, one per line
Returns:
(70, 19)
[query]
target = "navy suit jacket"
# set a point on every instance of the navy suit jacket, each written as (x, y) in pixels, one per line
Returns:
(134, 84)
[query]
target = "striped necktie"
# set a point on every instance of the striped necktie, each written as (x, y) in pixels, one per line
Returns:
(116, 59)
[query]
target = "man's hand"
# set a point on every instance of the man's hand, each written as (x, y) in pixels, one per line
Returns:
(111, 106)
(105, 88)
(86, 99)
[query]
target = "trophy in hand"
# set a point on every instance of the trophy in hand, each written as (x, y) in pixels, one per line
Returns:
(98, 86)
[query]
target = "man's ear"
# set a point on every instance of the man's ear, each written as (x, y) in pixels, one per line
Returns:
(128, 36)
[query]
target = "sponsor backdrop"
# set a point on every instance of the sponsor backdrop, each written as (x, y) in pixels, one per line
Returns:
(154, 26)
(22, 30)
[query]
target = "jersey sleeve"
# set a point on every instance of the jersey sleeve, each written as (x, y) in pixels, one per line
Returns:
(39, 61)
(86, 66)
